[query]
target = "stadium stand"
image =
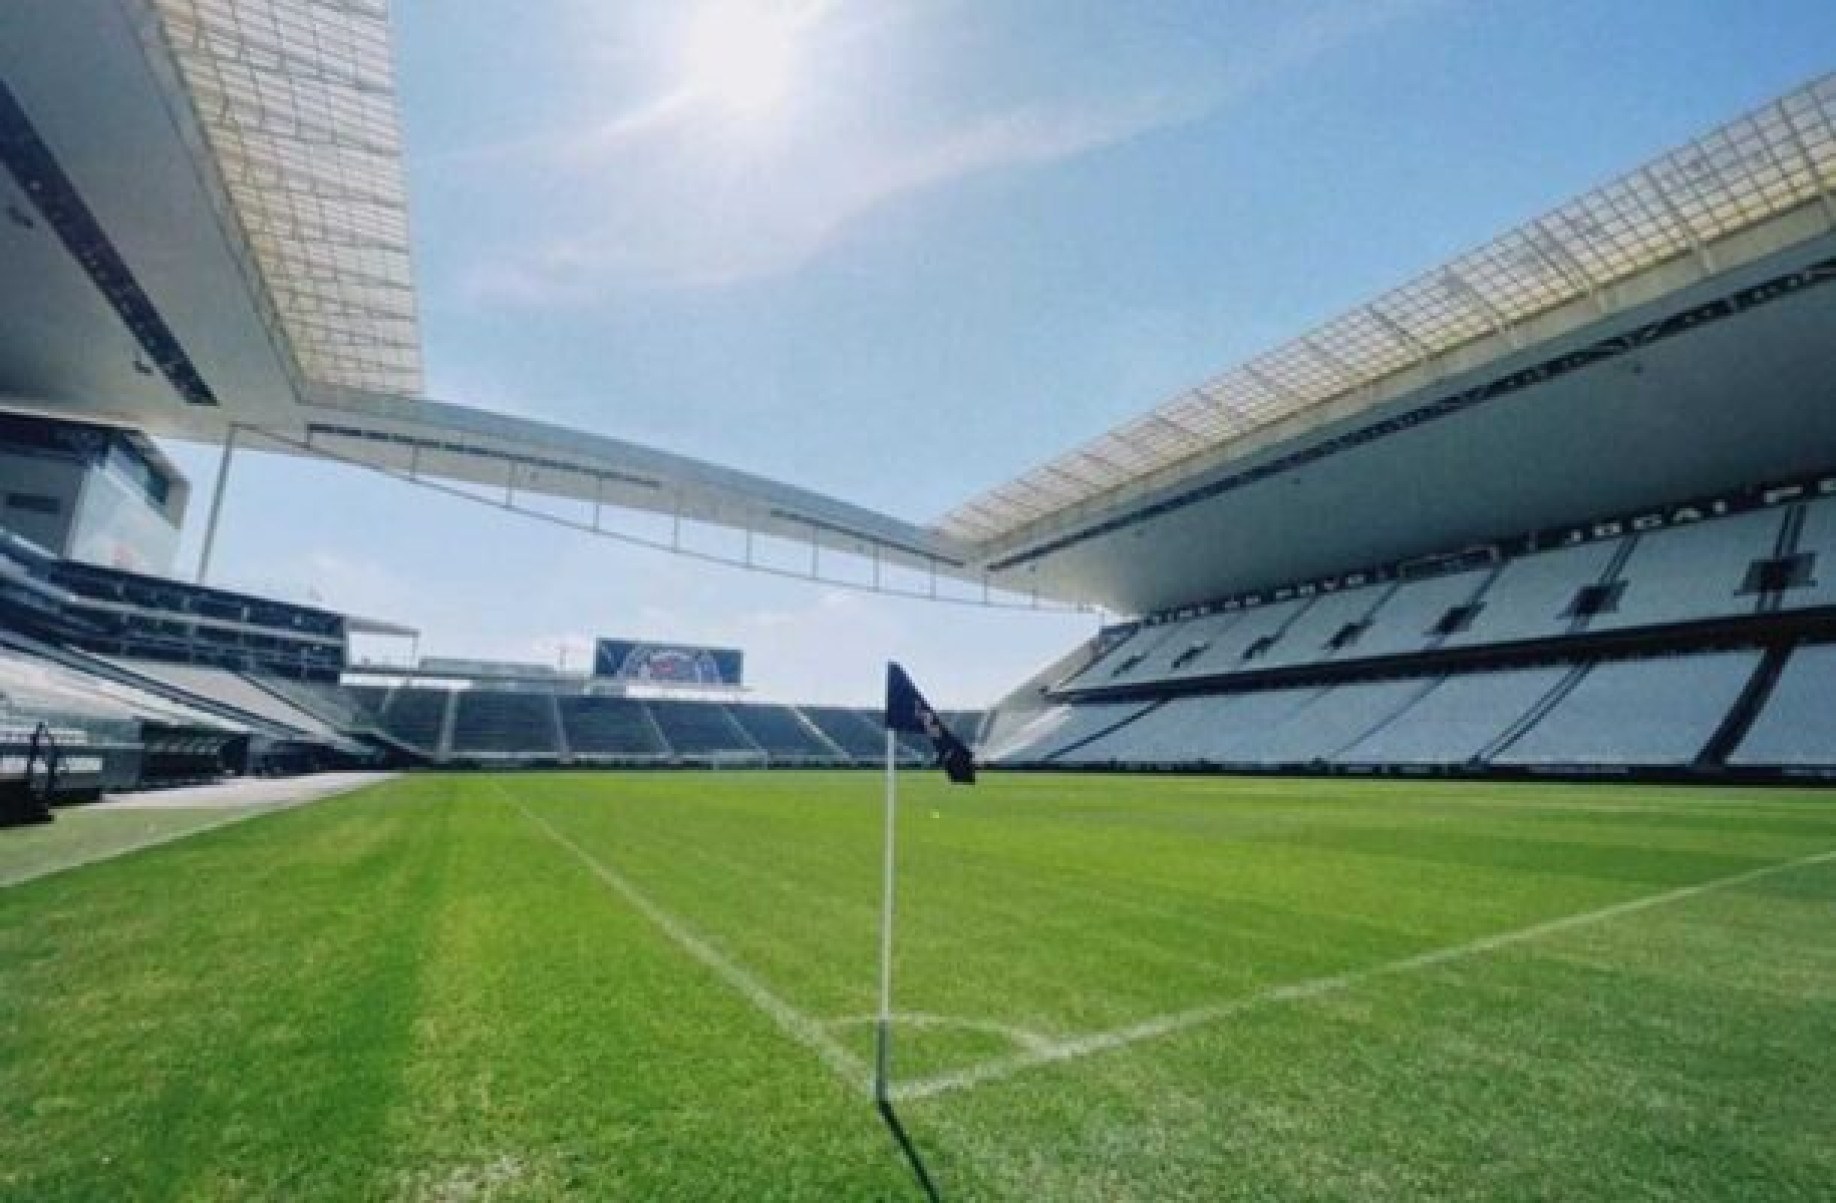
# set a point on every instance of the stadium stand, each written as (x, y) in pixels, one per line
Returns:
(610, 728)
(1796, 727)
(1194, 731)
(783, 735)
(417, 715)
(1660, 711)
(506, 723)
(1815, 542)
(1413, 617)
(233, 693)
(1689, 573)
(1457, 720)
(703, 731)
(1531, 596)
(1063, 728)
(858, 736)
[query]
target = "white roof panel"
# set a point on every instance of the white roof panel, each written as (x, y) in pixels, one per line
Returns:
(296, 99)
(1755, 168)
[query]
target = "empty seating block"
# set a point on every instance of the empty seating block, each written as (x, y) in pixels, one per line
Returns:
(1406, 621)
(1333, 720)
(610, 727)
(1818, 538)
(227, 689)
(1457, 719)
(416, 715)
(702, 730)
(781, 733)
(1060, 728)
(1239, 640)
(504, 723)
(1659, 712)
(1198, 730)
(1530, 599)
(1797, 726)
(1688, 573)
(1127, 661)
(1329, 629)
(850, 730)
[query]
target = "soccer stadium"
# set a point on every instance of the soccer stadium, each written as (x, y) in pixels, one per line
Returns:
(1425, 791)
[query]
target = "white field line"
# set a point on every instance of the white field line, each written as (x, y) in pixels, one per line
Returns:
(1180, 1021)
(803, 1028)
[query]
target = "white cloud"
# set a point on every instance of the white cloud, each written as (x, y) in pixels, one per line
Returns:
(679, 233)
(670, 193)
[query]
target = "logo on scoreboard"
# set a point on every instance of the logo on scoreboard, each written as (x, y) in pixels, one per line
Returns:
(667, 663)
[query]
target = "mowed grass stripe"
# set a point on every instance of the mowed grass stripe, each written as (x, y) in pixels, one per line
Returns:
(1162, 1026)
(568, 1047)
(419, 993)
(794, 1023)
(223, 1017)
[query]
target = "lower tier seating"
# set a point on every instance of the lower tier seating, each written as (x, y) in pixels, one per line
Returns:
(703, 730)
(858, 736)
(781, 733)
(1661, 711)
(611, 727)
(416, 715)
(493, 722)
(1797, 726)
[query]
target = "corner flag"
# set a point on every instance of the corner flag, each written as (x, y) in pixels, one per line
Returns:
(906, 710)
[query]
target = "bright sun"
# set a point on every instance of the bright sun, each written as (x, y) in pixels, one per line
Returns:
(742, 54)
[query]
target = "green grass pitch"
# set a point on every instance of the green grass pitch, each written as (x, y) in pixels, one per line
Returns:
(656, 987)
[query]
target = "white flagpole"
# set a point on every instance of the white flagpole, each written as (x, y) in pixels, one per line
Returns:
(882, 1051)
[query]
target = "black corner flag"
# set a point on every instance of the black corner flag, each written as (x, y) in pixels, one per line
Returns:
(906, 710)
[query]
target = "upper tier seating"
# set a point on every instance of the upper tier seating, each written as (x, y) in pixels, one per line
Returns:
(1408, 620)
(1531, 596)
(611, 727)
(782, 733)
(1659, 712)
(702, 730)
(1797, 726)
(1679, 574)
(1328, 628)
(1692, 572)
(493, 722)
(1816, 538)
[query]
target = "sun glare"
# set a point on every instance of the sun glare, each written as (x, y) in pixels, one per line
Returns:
(742, 54)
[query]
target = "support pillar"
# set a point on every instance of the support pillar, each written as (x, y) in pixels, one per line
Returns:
(216, 504)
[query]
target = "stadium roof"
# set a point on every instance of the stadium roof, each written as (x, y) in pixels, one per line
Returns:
(1679, 206)
(207, 234)
(296, 99)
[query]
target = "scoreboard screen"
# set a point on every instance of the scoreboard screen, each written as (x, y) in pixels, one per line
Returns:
(667, 663)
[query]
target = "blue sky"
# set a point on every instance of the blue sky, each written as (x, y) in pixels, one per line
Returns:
(920, 246)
